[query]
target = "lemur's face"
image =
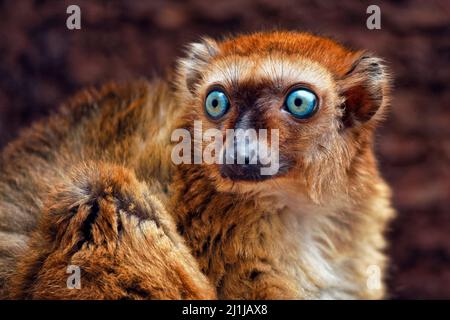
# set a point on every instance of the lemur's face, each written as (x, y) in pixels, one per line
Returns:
(306, 98)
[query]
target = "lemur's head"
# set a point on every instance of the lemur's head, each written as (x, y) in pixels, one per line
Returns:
(318, 101)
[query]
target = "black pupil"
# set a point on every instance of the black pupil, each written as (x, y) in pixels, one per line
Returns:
(215, 103)
(298, 102)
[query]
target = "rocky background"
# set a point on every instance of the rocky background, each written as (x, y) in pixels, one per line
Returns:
(42, 63)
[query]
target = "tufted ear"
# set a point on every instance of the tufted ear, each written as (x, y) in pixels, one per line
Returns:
(365, 88)
(199, 54)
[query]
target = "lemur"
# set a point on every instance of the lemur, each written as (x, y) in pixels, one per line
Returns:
(94, 185)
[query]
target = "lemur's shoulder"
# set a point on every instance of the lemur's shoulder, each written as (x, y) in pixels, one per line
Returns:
(55, 127)
(114, 100)
(100, 115)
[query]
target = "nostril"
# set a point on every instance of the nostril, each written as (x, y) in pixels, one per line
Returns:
(246, 152)
(246, 159)
(250, 156)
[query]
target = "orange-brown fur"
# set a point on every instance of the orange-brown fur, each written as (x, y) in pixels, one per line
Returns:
(94, 185)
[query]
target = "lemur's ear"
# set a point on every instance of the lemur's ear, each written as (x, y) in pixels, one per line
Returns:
(199, 54)
(365, 89)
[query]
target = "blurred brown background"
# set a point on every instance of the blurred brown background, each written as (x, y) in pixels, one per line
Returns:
(42, 63)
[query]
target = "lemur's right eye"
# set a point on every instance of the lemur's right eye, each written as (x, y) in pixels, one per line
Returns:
(301, 103)
(216, 104)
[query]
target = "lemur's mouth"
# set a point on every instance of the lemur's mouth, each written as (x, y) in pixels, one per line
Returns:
(247, 158)
(251, 160)
(243, 172)
(254, 172)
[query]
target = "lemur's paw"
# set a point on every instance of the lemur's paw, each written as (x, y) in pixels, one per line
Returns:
(96, 206)
(118, 234)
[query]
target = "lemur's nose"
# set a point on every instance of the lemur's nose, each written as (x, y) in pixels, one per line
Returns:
(245, 139)
(245, 151)
(242, 160)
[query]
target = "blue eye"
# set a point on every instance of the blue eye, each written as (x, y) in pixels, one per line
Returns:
(301, 103)
(216, 104)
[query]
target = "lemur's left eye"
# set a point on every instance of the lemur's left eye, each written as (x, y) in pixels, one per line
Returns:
(301, 103)
(216, 104)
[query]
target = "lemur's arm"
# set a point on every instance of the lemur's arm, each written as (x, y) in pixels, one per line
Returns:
(119, 235)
